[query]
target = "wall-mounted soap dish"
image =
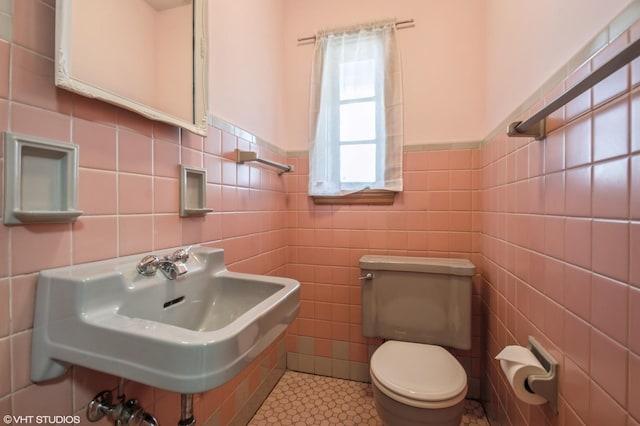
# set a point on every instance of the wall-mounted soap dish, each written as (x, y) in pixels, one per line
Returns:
(40, 180)
(193, 191)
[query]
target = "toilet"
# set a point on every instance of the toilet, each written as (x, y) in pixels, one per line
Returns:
(418, 304)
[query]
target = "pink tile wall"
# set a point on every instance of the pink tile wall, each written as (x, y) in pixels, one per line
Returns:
(433, 216)
(129, 192)
(575, 274)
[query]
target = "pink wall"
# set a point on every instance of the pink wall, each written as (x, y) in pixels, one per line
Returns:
(146, 58)
(559, 253)
(467, 65)
(436, 215)
(527, 42)
(174, 57)
(442, 60)
(246, 66)
(130, 44)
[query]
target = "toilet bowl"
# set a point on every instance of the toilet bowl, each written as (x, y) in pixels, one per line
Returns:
(417, 384)
(417, 303)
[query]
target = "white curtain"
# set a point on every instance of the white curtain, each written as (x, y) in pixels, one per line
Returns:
(345, 62)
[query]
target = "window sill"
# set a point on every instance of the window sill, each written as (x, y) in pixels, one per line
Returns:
(368, 196)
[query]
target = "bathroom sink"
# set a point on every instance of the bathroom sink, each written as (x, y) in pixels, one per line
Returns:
(186, 335)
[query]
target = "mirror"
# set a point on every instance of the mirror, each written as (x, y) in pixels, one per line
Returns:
(148, 56)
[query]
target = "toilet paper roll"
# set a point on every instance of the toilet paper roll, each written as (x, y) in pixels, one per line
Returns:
(518, 363)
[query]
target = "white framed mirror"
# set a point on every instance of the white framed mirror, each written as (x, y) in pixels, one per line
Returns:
(148, 56)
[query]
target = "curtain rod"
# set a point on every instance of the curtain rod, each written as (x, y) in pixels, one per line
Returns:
(301, 39)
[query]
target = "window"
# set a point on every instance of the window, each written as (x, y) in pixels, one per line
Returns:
(356, 112)
(359, 106)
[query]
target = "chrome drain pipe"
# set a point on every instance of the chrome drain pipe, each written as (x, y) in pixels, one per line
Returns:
(186, 410)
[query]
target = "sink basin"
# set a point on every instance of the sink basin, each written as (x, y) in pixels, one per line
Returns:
(187, 335)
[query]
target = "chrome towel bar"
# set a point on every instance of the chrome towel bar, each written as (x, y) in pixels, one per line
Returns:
(244, 156)
(534, 126)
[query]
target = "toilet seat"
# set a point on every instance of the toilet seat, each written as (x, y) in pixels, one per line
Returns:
(420, 375)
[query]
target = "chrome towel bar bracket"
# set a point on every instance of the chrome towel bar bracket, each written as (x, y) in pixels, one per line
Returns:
(244, 156)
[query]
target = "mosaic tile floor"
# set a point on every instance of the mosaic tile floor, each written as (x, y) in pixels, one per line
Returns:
(306, 399)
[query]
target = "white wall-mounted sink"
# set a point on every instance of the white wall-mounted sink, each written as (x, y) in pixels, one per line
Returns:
(186, 335)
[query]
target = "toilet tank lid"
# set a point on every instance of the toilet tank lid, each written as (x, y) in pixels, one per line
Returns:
(430, 265)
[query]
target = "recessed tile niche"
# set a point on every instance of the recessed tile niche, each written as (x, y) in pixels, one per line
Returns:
(193, 192)
(40, 180)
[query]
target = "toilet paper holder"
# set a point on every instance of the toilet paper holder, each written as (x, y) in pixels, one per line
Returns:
(545, 385)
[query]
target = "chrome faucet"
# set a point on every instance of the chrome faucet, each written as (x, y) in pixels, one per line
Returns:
(171, 266)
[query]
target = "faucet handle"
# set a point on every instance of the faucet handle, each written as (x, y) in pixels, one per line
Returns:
(148, 265)
(181, 255)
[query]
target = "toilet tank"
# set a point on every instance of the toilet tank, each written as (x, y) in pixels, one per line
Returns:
(417, 299)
